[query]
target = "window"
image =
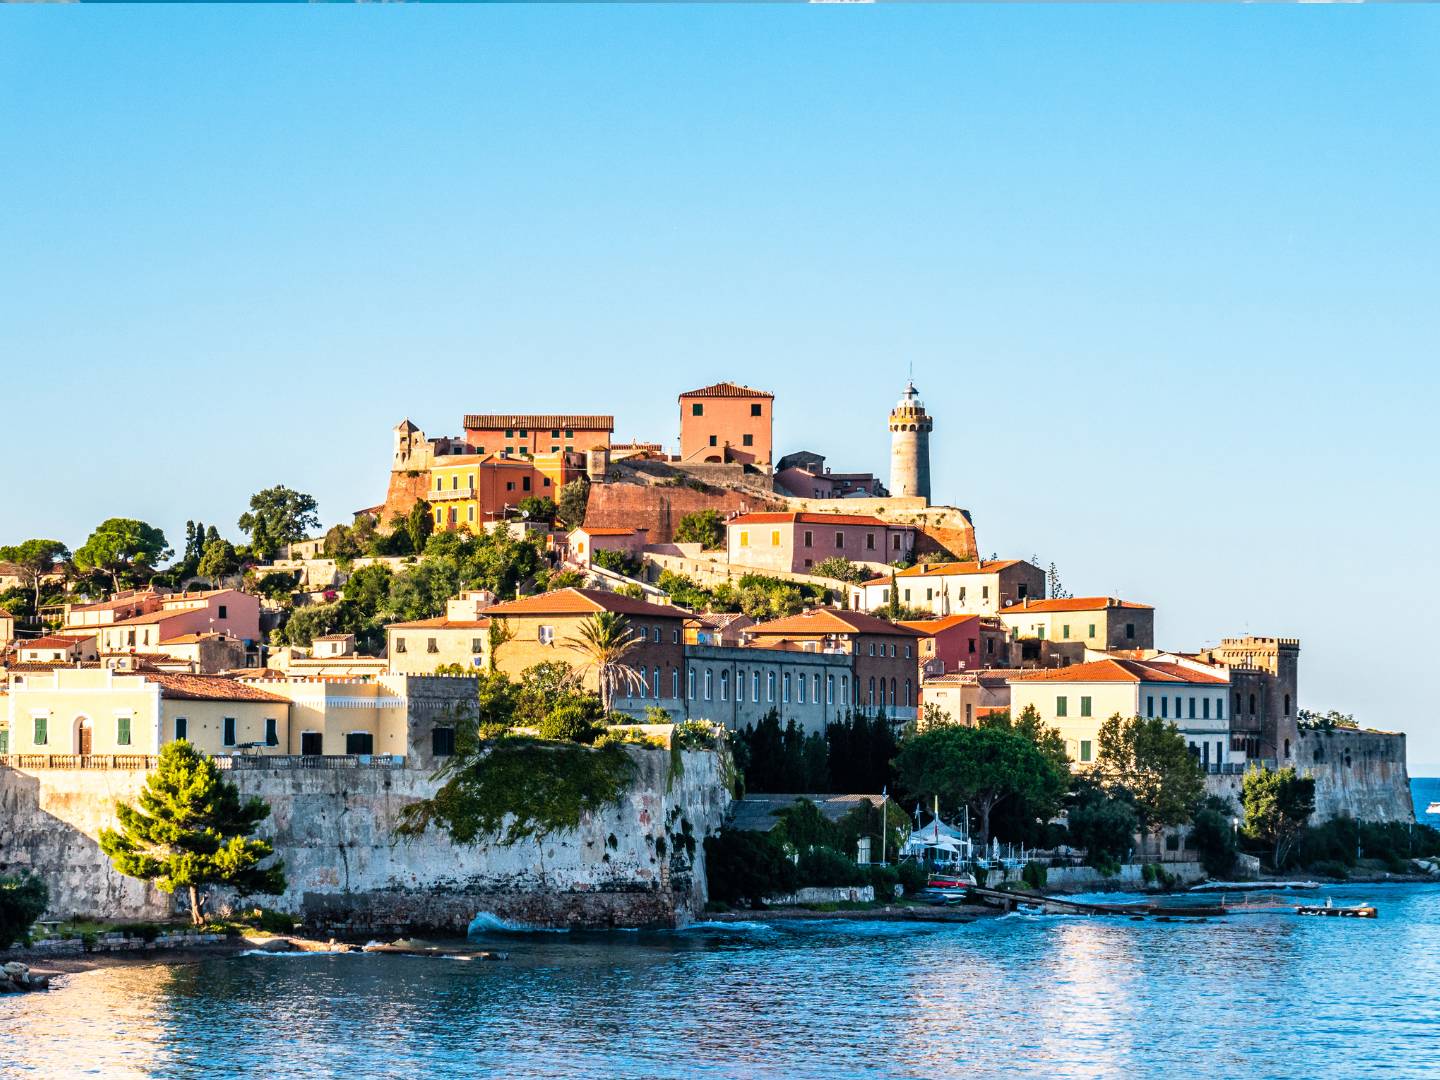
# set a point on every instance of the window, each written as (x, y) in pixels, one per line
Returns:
(222, 615)
(1065, 631)
(509, 433)
(545, 635)
(1129, 631)
(829, 689)
(674, 682)
(1084, 706)
(839, 540)
(872, 648)
(985, 592)
(359, 742)
(809, 538)
(755, 686)
(431, 645)
(845, 687)
(800, 690)
(655, 637)
(181, 727)
(655, 684)
(1084, 749)
(892, 650)
(1206, 707)
(774, 537)
(272, 731)
(1062, 707)
(755, 408)
(1192, 708)
(399, 646)
(770, 686)
(907, 595)
(442, 741)
(42, 734)
(439, 516)
(675, 636)
(1237, 703)
(525, 483)
(554, 433)
(524, 432)
(709, 683)
(1164, 707)
(472, 513)
(908, 689)
(122, 731)
(1091, 634)
(228, 735)
(785, 689)
(725, 685)
(1177, 707)
(744, 539)
(697, 409)
(869, 541)
(907, 650)
(690, 685)
(815, 688)
(1287, 704)
(477, 645)
(1252, 704)
(714, 440)
(896, 544)
(1219, 708)
(439, 483)
(747, 440)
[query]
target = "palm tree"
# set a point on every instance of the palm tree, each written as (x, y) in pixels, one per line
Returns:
(605, 640)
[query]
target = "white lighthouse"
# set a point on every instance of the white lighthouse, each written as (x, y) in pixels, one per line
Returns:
(910, 445)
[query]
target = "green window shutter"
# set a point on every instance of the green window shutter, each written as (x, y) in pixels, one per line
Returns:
(1061, 707)
(1084, 749)
(1084, 706)
(122, 731)
(42, 725)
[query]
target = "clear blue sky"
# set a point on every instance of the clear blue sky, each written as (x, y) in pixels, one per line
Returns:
(1167, 275)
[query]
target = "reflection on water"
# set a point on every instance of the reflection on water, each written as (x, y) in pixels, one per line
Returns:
(1256, 995)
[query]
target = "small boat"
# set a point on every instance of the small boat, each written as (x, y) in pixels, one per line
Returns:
(1356, 911)
(1434, 808)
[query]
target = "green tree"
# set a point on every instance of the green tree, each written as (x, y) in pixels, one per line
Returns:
(123, 546)
(278, 516)
(978, 767)
(191, 830)
(842, 569)
(35, 559)
(1104, 823)
(419, 524)
(217, 560)
(538, 508)
(703, 527)
(23, 899)
(605, 642)
(369, 589)
(554, 580)
(1148, 757)
(617, 562)
(340, 543)
(1212, 836)
(1278, 804)
(307, 623)
(574, 497)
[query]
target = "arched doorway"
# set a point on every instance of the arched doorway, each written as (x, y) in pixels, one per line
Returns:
(83, 732)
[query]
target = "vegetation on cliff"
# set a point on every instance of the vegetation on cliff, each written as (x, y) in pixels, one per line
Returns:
(22, 900)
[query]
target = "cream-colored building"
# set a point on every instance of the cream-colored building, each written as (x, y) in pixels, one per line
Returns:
(7, 626)
(461, 636)
(1077, 700)
(54, 649)
(1087, 622)
(957, 588)
(100, 711)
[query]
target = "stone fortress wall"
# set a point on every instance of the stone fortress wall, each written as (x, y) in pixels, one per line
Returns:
(334, 828)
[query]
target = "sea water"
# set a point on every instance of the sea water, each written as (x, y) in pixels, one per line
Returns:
(1260, 995)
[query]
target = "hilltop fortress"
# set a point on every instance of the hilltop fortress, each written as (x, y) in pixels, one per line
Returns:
(725, 461)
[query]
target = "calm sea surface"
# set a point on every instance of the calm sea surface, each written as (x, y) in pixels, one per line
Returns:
(1264, 995)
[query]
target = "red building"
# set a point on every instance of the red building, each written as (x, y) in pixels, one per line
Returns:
(727, 424)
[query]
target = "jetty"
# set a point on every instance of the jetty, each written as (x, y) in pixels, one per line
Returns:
(1054, 905)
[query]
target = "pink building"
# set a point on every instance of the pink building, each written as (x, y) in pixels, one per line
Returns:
(221, 611)
(585, 542)
(798, 542)
(950, 644)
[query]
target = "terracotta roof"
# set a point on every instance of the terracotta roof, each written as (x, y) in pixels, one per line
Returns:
(604, 532)
(929, 627)
(198, 594)
(727, 389)
(532, 421)
(721, 619)
(190, 639)
(209, 688)
(831, 621)
(148, 617)
(932, 570)
(585, 602)
(52, 642)
(440, 623)
(117, 602)
(1073, 603)
(5, 614)
(816, 519)
(1113, 670)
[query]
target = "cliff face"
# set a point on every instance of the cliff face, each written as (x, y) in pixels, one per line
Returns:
(630, 865)
(1358, 774)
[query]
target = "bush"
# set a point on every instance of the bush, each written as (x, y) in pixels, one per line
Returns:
(884, 879)
(1330, 868)
(826, 867)
(1155, 874)
(145, 931)
(746, 867)
(22, 901)
(568, 723)
(1333, 841)
(1212, 836)
(913, 876)
(272, 922)
(1034, 875)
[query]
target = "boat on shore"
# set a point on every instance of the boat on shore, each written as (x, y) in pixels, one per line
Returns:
(1355, 911)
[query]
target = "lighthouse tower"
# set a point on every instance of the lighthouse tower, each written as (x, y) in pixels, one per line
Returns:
(910, 445)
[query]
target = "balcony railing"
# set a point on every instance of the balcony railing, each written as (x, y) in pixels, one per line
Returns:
(230, 762)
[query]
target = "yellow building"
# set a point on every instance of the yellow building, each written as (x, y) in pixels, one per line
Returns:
(461, 637)
(99, 711)
(1094, 622)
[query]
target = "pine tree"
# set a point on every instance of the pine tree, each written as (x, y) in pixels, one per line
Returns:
(190, 830)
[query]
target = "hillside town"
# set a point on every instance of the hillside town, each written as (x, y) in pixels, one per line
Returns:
(851, 595)
(534, 575)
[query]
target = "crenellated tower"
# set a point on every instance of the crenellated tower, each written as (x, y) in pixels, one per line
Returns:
(910, 446)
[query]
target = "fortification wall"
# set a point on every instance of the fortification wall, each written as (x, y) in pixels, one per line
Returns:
(1358, 774)
(406, 488)
(659, 508)
(347, 871)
